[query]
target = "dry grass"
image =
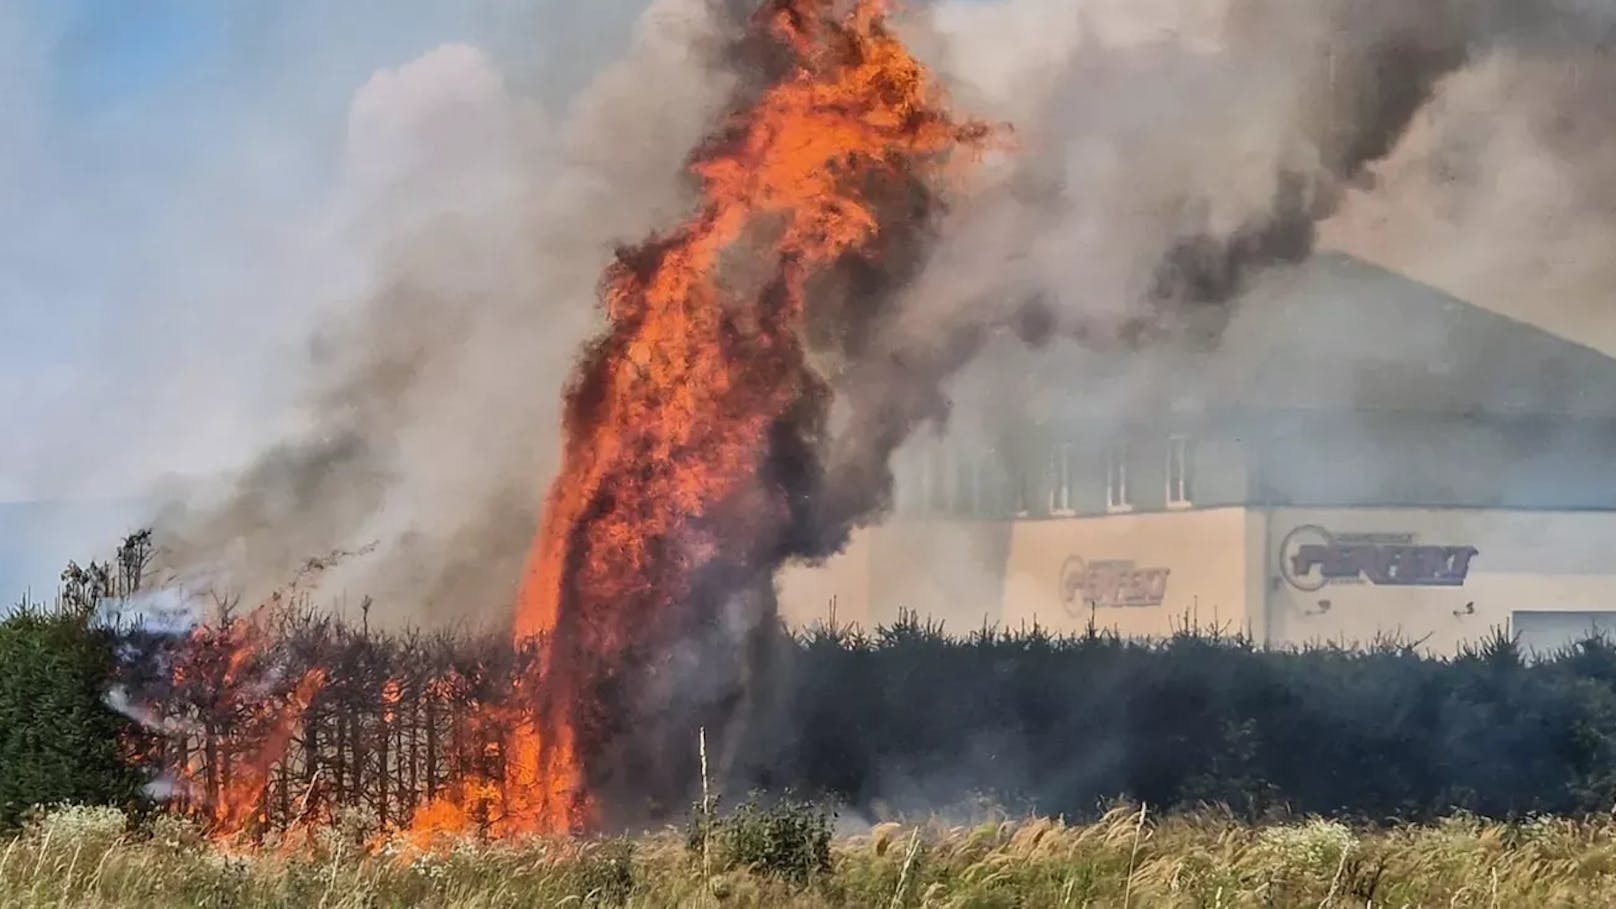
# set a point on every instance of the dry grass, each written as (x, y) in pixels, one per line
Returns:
(81, 857)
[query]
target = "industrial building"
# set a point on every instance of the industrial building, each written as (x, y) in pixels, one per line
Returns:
(1349, 455)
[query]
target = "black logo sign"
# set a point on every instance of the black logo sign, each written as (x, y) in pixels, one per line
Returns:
(1311, 557)
(1111, 585)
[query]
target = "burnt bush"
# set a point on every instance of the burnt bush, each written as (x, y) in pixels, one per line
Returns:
(908, 719)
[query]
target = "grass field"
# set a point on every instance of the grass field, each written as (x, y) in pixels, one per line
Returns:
(84, 857)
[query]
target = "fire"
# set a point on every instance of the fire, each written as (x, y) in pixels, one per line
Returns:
(245, 721)
(692, 426)
(501, 795)
(669, 487)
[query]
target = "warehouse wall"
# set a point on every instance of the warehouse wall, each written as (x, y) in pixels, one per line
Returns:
(1443, 576)
(1141, 574)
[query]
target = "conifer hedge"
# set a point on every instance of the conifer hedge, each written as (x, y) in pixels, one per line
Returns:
(59, 742)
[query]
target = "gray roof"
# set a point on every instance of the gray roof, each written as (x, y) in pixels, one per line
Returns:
(1338, 333)
(1333, 333)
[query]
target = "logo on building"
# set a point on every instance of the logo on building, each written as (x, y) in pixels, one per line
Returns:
(1111, 585)
(1311, 557)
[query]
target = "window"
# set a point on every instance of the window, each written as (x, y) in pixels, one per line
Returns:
(990, 486)
(1062, 497)
(1180, 472)
(937, 481)
(910, 479)
(1118, 493)
(965, 488)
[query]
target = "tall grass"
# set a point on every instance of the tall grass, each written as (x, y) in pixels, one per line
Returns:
(85, 857)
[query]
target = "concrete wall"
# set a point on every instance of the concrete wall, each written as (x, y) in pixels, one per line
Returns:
(1141, 574)
(1408, 572)
(945, 571)
(1523, 561)
(807, 593)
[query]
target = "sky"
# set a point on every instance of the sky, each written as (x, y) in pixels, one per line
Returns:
(157, 154)
(168, 168)
(169, 174)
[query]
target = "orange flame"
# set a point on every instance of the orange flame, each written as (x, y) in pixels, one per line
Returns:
(669, 487)
(244, 730)
(669, 416)
(238, 802)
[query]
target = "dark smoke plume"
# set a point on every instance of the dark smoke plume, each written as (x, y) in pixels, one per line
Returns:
(1362, 71)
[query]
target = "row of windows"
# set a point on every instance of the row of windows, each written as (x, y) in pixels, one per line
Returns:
(948, 483)
(941, 482)
(1119, 485)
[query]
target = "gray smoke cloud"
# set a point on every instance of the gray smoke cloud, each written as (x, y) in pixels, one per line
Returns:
(433, 423)
(1167, 150)
(1501, 193)
(1168, 154)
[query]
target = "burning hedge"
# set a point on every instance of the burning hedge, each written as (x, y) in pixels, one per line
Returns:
(398, 729)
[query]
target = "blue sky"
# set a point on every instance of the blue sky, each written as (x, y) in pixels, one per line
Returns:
(159, 160)
(158, 150)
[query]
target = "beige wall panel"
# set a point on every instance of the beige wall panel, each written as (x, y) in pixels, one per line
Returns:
(945, 571)
(805, 591)
(1140, 573)
(1419, 579)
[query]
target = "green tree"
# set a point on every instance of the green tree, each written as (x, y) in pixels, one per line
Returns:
(59, 742)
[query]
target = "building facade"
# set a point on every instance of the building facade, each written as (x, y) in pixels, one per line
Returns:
(1355, 457)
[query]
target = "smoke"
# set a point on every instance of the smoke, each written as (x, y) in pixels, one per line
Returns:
(1168, 153)
(434, 419)
(1501, 193)
(1164, 153)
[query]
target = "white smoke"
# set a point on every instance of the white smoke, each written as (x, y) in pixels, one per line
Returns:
(169, 611)
(435, 422)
